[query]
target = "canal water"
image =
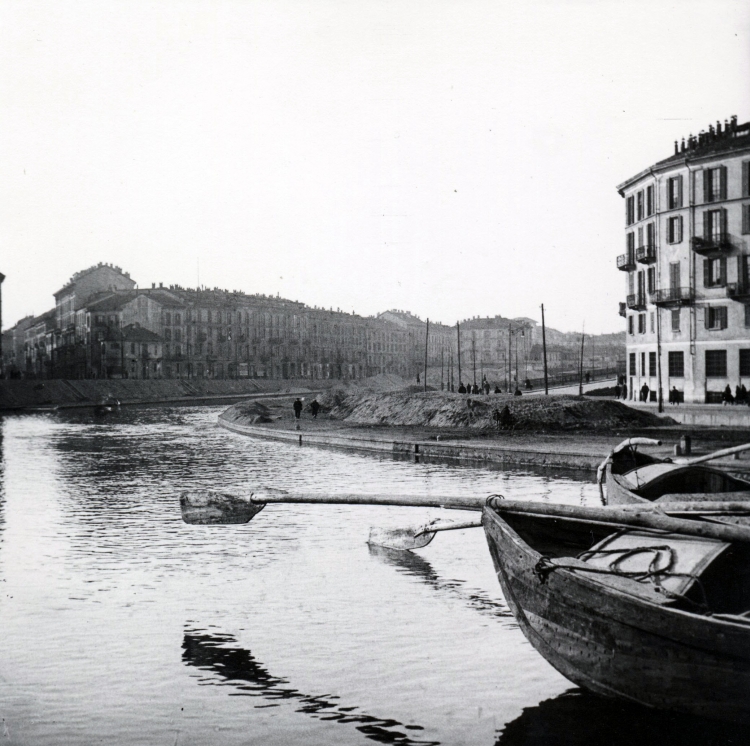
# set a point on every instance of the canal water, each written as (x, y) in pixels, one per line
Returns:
(120, 624)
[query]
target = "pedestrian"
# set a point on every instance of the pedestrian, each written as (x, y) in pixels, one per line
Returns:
(618, 390)
(743, 391)
(486, 386)
(474, 389)
(726, 397)
(297, 408)
(738, 394)
(624, 390)
(498, 390)
(461, 388)
(518, 391)
(314, 408)
(644, 392)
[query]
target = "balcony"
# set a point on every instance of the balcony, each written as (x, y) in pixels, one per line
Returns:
(636, 302)
(622, 311)
(719, 243)
(645, 254)
(626, 262)
(739, 291)
(667, 297)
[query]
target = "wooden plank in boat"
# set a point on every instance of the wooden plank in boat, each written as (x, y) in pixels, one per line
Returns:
(686, 558)
(743, 496)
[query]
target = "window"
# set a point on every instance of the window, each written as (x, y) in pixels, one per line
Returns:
(676, 365)
(643, 363)
(177, 319)
(652, 364)
(676, 320)
(168, 318)
(714, 225)
(715, 184)
(745, 362)
(747, 315)
(630, 324)
(715, 272)
(674, 275)
(641, 323)
(167, 334)
(674, 229)
(651, 280)
(651, 324)
(716, 363)
(650, 235)
(674, 192)
(630, 211)
(650, 200)
(630, 244)
(746, 218)
(639, 205)
(716, 317)
(640, 236)
(746, 178)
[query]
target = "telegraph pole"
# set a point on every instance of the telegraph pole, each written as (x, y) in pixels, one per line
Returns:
(580, 371)
(458, 336)
(426, 342)
(544, 352)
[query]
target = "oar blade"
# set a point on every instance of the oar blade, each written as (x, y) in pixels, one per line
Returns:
(217, 508)
(411, 537)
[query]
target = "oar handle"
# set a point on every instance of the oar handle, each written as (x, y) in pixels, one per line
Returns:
(646, 517)
(711, 456)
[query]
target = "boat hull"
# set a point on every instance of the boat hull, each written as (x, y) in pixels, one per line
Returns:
(615, 644)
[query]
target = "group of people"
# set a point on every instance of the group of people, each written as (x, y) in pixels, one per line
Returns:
(739, 397)
(314, 408)
(485, 388)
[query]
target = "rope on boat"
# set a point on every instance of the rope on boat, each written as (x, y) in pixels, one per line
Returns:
(546, 565)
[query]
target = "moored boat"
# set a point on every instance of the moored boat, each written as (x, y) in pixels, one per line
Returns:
(632, 476)
(658, 618)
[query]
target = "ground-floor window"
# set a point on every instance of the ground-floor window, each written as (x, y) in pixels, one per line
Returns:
(652, 363)
(716, 363)
(676, 320)
(676, 365)
(745, 362)
(633, 371)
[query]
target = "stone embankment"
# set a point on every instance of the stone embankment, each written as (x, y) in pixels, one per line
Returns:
(26, 395)
(561, 431)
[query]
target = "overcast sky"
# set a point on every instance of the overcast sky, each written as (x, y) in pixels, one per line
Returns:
(450, 158)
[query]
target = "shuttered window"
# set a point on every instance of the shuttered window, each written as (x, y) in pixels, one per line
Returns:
(746, 218)
(630, 211)
(715, 317)
(650, 200)
(674, 229)
(746, 178)
(676, 320)
(652, 364)
(715, 184)
(715, 272)
(633, 371)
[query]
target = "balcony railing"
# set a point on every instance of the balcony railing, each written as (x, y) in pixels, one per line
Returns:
(636, 302)
(645, 254)
(622, 312)
(673, 296)
(719, 243)
(739, 291)
(626, 262)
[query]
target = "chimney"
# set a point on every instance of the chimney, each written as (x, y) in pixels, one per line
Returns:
(153, 285)
(676, 148)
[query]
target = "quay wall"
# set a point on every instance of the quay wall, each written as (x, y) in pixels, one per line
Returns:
(23, 395)
(470, 453)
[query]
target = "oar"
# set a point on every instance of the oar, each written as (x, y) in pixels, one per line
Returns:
(711, 456)
(218, 507)
(414, 537)
(649, 516)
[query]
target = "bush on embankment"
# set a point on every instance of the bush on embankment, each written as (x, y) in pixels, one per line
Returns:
(446, 410)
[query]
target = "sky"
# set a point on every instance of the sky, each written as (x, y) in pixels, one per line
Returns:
(454, 159)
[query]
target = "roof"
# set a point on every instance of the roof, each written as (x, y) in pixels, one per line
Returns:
(79, 275)
(707, 145)
(111, 302)
(136, 333)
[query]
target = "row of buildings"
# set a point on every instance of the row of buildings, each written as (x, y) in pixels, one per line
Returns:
(687, 268)
(104, 326)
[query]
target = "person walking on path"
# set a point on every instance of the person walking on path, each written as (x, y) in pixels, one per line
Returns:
(314, 408)
(644, 392)
(297, 408)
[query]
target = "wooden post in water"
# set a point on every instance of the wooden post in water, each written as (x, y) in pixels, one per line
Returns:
(426, 343)
(544, 352)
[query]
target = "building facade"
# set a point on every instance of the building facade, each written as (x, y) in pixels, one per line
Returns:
(687, 267)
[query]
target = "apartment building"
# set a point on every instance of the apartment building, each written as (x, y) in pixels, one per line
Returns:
(687, 268)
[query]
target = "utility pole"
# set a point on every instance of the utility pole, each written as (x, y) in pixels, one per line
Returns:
(2, 364)
(510, 354)
(474, 357)
(658, 359)
(426, 342)
(544, 352)
(442, 387)
(458, 336)
(580, 370)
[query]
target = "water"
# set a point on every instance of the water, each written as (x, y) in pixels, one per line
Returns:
(123, 625)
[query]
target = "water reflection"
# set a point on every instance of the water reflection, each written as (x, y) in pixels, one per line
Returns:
(577, 718)
(417, 566)
(237, 667)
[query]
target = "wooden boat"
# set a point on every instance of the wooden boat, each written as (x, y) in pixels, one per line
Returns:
(662, 619)
(633, 476)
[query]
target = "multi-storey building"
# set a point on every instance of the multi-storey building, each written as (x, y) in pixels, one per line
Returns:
(687, 223)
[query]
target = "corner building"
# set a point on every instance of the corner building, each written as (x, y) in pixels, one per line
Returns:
(687, 264)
